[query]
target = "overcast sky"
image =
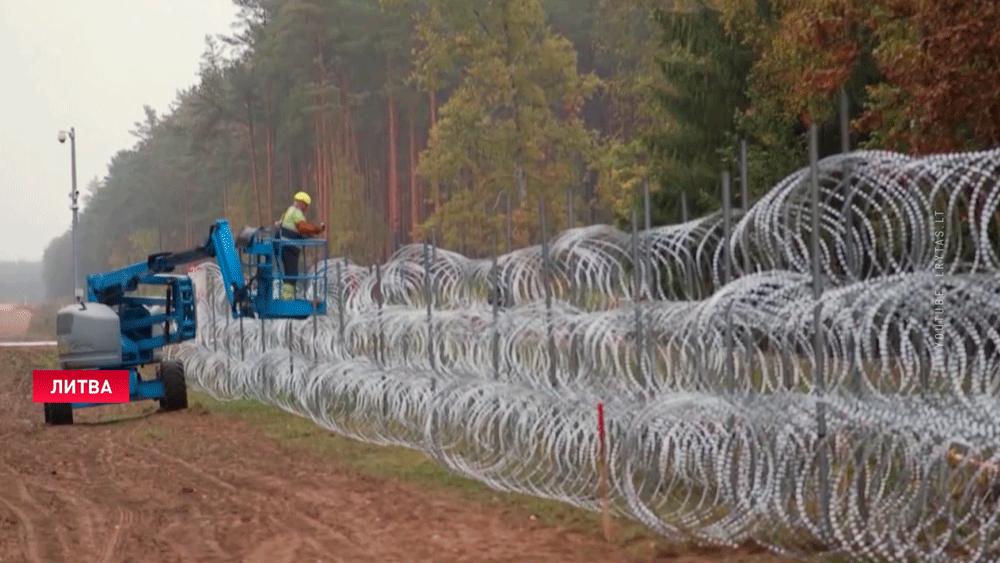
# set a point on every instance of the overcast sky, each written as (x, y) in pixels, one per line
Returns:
(89, 65)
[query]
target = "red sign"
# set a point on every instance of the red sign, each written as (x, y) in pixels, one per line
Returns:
(81, 386)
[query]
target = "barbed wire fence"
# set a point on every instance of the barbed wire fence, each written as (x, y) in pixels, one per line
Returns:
(816, 373)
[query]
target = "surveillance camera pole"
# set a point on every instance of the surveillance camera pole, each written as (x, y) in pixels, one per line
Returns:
(73, 196)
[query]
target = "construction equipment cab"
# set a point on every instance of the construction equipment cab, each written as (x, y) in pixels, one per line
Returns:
(293, 225)
(112, 329)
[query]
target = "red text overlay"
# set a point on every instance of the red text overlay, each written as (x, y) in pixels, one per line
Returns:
(81, 386)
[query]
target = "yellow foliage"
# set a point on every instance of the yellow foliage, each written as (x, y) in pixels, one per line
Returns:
(505, 130)
(633, 38)
(621, 171)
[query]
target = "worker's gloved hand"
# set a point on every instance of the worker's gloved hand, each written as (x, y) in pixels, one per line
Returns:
(322, 227)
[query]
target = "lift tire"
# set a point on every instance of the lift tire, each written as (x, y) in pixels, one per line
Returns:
(171, 373)
(58, 414)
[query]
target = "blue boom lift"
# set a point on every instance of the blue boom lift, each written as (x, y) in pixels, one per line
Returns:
(114, 330)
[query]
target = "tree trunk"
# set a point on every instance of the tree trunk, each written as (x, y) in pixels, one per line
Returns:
(269, 149)
(333, 169)
(433, 116)
(519, 172)
(323, 163)
(225, 193)
(415, 200)
(318, 156)
(433, 98)
(322, 195)
(252, 131)
(288, 173)
(350, 133)
(395, 221)
(344, 135)
(187, 217)
(304, 173)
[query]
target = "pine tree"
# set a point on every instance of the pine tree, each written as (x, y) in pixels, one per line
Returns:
(707, 69)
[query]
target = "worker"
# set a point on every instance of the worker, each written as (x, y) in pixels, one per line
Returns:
(293, 225)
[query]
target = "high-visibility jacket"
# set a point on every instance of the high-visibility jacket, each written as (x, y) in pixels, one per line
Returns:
(294, 225)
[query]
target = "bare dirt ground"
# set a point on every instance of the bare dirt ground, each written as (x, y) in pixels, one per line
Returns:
(203, 486)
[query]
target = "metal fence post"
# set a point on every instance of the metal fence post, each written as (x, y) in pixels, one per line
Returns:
(428, 290)
(637, 303)
(547, 282)
(727, 257)
(495, 290)
(818, 340)
(380, 341)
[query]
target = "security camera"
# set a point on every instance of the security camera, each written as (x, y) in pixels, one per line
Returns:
(62, 136)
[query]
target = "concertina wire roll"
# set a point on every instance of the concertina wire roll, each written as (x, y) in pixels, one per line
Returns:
(725, 423)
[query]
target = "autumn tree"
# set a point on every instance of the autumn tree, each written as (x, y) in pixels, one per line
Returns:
(941, 63)
(805, 53)
(409, 118)
(511, 127)
(627, 45)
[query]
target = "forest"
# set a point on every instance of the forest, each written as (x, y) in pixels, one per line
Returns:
(455, 121)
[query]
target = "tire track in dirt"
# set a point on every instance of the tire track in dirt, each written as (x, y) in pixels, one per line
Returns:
(103, 490)
(90, 519)
(87, 519)
(451, 532)
(73, 536)
(124, 517)
(370, 532)
(182, 549)
(172, 512)
(46, 516)
(28, 532)
(83, 512)
(125, 520)
(371, 519)
(279, 508)
(38, 520)
(180, 462)
(282, 548)
(212, 491)
(283, 495)
(271, 494)
(208, 540)
(30, 545)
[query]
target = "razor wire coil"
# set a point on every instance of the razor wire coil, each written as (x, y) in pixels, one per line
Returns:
(710, 386)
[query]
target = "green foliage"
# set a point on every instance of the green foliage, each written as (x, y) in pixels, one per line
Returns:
(510, 127)
(407, 119)
(707, 69)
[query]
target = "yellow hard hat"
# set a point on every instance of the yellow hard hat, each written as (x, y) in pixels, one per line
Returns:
(303, 197)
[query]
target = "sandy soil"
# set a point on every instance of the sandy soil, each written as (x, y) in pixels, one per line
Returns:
(198, 486)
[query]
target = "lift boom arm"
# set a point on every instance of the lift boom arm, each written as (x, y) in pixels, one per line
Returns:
(139, 320)
(115, 329)
(110, 288)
